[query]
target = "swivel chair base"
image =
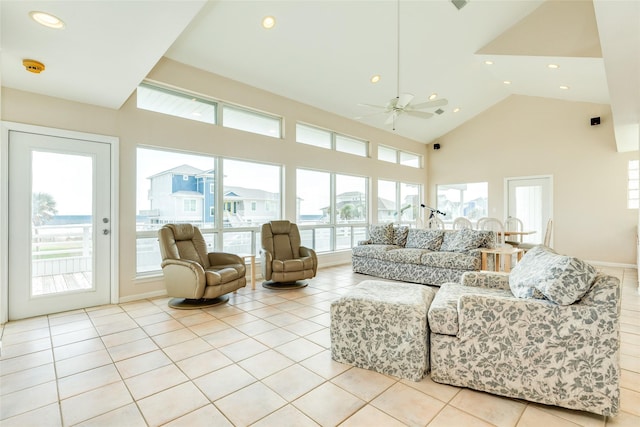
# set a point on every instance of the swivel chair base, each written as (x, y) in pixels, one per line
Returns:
(193, 304)
(284, 285)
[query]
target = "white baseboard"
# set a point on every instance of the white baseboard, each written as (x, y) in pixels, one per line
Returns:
(136, 297)
(612, 264)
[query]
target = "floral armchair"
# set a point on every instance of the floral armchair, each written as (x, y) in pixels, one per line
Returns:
(538, 347)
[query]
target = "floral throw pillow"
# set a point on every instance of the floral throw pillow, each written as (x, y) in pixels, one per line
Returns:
(463, 240)
(424, 239)
(381, 234)
(542, 273)
(400, 234)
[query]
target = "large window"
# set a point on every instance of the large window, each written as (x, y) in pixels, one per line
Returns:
(469, 200)
(251, 193)
(175, 187)
(313, 197)
(323, 138)
(331, 210)
(398, 202)
(633, 187)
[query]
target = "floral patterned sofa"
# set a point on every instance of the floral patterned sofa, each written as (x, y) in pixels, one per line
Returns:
(429, 257)
(548, 332)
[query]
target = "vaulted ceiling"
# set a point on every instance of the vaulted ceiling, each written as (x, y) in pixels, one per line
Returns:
(323, 53)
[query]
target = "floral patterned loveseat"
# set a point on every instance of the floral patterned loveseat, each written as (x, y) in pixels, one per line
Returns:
(428, 257)
(548, 332)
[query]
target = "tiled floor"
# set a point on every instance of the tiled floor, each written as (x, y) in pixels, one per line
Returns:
(263, 359)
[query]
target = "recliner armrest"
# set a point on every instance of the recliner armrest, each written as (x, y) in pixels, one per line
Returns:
(183, 278)
(266, 263)
(486, 279)
(223, 258)
(308, 252)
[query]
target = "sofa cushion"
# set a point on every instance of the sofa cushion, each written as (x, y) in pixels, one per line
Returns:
(405, 255)
(463, 240)
(455, 260)
(424, 239)
(373, 251)
(381, 234)
(542, 273)
(443, 313)
(400, 234)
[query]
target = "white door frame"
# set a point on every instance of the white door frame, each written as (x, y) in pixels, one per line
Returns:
(518, 178)
(4, 201)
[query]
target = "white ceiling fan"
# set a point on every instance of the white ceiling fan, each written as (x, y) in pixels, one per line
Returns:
(401, 104)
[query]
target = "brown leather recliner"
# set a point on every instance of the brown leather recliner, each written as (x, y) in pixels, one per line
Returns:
(194, 277)
(284, 261)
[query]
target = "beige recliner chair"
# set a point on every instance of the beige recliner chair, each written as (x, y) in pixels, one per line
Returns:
(284, 261)
(192, 276)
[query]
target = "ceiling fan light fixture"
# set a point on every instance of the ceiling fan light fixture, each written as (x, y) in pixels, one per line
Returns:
(47, 19)
(433, 96)
(455, 110)
(268, 22)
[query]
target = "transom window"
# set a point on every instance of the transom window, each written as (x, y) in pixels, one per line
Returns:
(392, 155)
(311, 135)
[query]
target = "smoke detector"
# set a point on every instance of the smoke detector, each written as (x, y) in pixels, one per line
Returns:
(33, 66)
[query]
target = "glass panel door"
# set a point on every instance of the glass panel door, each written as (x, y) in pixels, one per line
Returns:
(59, 224)
(530, 200)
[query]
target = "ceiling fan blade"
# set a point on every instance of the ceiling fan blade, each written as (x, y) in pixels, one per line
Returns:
(369, 115)
(392, 117)
(421, 114)
(404, 100)
(379, 107)
(430, 104)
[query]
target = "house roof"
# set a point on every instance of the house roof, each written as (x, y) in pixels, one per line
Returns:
(179, 170)
(435, 47)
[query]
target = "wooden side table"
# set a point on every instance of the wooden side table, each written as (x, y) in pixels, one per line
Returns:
(501, 252)
(252, 259)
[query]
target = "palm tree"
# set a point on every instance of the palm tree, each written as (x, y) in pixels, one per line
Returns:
(43, 208)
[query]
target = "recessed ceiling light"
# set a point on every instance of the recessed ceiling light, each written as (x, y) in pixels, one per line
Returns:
(488, 62)
(553, 66)
(268, 22)
(433, 96)
(507, 82)
(455, 110)
(47, 19)
(375, 79)
(564, 87)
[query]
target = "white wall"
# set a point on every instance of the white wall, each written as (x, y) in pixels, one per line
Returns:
(524, 136)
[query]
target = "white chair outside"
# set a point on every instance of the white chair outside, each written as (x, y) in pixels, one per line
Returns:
(461, 222)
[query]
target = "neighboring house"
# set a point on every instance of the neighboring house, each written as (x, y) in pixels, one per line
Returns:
(187, 194)
(245, 207)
